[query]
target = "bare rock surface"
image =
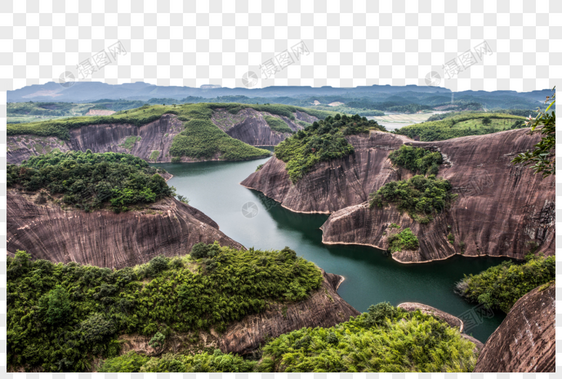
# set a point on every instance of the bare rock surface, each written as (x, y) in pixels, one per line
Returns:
(104, 238)
(502, 209)
(525, 341)
(250, 126)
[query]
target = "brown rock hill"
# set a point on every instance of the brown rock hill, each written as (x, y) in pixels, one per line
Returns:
(525, 341)
(324, 308)
(250, 126)
(104, 238)
(502, 210)
(247, 125)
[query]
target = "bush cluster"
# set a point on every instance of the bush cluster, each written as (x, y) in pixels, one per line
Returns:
(421, 197)
(499, 287)
(277, 124)
(404, 240)
(88, 181)
(62, 316)
(322, 141)
(417, 159)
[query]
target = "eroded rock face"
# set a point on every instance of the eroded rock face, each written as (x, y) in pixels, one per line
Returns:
(324, 308)
(525, 340)
(502, 210)
(104, 238)
(334, 184)
(141, 142)
(250, 126)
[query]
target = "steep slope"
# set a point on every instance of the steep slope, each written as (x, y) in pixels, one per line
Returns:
(250, 125)
(187, 133)
(104, 238)
(525, 341)
(502, 210)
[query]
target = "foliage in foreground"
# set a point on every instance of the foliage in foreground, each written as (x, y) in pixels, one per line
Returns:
(465, 124)
(382, 340)
(417, 159)
(322, 141)
(88, 181)
(542, 158)
(385, 339)
(499, 287)
(404, 240)
(62, 316)
(422, 197)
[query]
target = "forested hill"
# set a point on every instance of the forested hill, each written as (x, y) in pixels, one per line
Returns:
(91, 181)
(160, 133)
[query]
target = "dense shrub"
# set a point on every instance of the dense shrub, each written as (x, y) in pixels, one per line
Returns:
(499, 287)
(277, 124)
(417, 159)
(90, 181)
(385, 339)
(404, 240)
(421, 197)
(179, 295)
(322, 141)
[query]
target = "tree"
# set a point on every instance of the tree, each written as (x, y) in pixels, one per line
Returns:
(58, 305)
(486, 121)
(542, 158)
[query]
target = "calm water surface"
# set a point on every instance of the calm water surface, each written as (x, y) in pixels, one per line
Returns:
(371, 276)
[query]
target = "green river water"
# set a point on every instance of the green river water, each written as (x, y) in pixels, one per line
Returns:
(371, 276)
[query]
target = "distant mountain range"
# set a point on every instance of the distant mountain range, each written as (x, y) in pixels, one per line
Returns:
(94, 91)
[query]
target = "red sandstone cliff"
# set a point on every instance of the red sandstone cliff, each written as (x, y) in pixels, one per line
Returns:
(502, 210)
(525, 341)
(104, 238)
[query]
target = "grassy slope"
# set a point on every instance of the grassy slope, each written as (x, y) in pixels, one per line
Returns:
(459, 126)
(200, 139)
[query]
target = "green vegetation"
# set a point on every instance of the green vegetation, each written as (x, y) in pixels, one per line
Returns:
(89, 181)
(384, 339)
(322, 141)
(394, 226)
(542, 158)
(259, 167)
(130, 141)
(499, 287)
(451, 238)
(421, 197)
(168, 295)
(278, 124)
(417, 159)
(464, 124)
(154, 155)
(202, 139)
(405, 240)
(343, 109)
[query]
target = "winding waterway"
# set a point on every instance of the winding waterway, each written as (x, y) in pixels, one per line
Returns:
(371, 276)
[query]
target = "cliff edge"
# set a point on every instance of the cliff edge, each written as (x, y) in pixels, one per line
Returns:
(104, 238)
(525, 341)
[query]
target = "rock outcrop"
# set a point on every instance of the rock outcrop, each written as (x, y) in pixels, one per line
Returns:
(250, 126)
(324, 308)
(453, 321)
(525, 341)
(501, 210)
(151, 142)
(104, 238)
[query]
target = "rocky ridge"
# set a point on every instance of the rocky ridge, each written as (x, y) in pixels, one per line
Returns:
(501, 210)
